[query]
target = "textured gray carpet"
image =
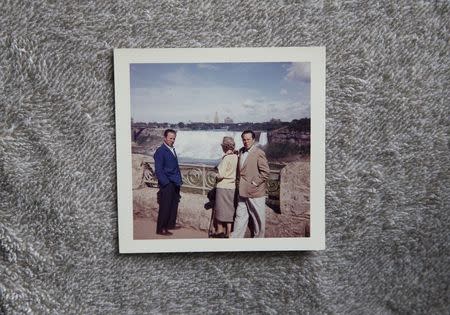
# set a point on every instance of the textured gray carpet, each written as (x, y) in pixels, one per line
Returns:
(387, 171)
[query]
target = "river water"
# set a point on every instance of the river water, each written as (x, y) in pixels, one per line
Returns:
(203, 146)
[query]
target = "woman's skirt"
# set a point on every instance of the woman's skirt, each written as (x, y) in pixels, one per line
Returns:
(224, 205)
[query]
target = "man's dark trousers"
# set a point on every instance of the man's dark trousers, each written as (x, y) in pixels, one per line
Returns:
(168, 207)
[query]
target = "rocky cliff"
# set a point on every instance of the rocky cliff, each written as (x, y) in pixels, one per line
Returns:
(146, 140)
(285, 135)
(294, 202)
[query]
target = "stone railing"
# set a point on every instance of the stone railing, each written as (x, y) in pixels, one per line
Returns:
(202, 178)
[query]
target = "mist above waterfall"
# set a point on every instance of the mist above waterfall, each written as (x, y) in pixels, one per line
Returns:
(263, 138)
(205, 145)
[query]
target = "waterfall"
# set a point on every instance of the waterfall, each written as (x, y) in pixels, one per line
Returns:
(263, 138)
(205, 145)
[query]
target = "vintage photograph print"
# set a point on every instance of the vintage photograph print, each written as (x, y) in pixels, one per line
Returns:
(220, 149)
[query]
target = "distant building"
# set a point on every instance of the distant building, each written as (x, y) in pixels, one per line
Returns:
(273, 120)
(228, 120)
(216, 118)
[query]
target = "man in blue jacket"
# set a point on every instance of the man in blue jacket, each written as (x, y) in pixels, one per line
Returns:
(169, 180)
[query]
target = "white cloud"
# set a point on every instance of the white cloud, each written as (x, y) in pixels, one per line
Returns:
(183, 103)
(249, 104)
(227, 110)
(299, 71)
(179, 77)
(278, 109)
(185, 97)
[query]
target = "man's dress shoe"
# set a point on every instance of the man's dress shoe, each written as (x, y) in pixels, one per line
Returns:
(165, 233)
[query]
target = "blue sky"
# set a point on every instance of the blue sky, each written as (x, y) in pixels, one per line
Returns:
(253, 92)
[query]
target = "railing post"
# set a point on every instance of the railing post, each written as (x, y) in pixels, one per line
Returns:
(204, 178)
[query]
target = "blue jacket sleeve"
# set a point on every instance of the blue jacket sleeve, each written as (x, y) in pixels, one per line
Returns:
(159, 168)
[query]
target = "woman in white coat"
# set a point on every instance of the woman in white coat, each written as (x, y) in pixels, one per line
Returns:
(225, 201)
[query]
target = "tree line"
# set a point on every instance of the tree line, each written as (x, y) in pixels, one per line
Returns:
(301, 125)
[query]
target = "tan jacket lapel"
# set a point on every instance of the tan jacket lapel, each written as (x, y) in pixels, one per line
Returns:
(245, 162)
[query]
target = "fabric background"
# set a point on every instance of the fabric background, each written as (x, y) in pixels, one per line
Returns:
(387, 172)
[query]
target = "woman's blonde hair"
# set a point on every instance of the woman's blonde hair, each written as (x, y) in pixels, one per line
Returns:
(228, 144)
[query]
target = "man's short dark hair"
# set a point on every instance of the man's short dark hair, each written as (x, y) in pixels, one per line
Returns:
(248, 131)
(167, 131)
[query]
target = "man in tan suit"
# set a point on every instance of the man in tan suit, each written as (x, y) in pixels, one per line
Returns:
(253, 174)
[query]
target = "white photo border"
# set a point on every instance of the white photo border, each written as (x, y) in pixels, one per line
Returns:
(122, 60)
